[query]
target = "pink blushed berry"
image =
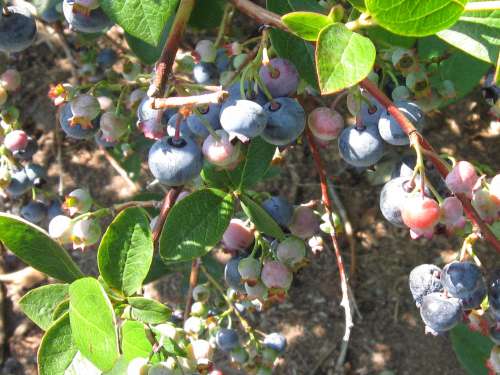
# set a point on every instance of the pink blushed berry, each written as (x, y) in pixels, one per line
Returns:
(462, 178)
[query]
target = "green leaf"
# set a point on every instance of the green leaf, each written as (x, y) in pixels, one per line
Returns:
(262, 220)
(57, 348)
(195, 225)
(415, 18)
(476, 33)
(148, 310)
(385, 38)
(34, 247)
(143, 19)
(343, 58)
(149, 52)
(81, 365)
(135, 343)
(207, 14)
(93, 323)
(39, 304)
(472, 349)
(358, 4)
(213, 177)
(306, 25)
(126, 251)
(290, 47)
(61, 309)
(462, 69)
(120, 367)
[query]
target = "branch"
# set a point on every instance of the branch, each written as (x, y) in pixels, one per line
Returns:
(167, 58)
(181, 101)
(345, 302)
(168, 202)
(440, 165)
(135, 186)
(261, 15)
(193, 280)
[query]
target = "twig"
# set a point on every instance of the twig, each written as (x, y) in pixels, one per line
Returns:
(144, 204)
(440, 165)
(261, 15)
(226, 19)
(57, 141)
(195, 100)
(135, 186)
(345, 302)
(193, 280)
(167, 58)
(168, 202)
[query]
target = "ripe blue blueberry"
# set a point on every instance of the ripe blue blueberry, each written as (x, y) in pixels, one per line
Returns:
(232, 275)
(370, 112)
(494, 294)
(227, 339)
(389, 128)
(185, 132)
(27, 153)
(36, 174)
(17, 29)
(392, 198)
(210, 115)
(205, 73)
(425, 279)
(34, 212)
(495, 334)
(51, 13)
(175, 162)
(76, 130)
(251, 90)
(280, 210)
(222, 61)
(243, 119)
(106, 58)
(19, 184)
(286, 121)
(275, 341)
(94, 22)
(463, 280)
(280, 77)
(361, 146)
(440, 313)
(54, 209)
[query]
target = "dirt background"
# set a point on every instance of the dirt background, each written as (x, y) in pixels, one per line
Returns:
(388, 339)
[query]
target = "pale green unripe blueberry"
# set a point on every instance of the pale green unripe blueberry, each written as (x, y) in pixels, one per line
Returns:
(60, 228)
(167, 330)
(193, 325)
(78, 201)
(85, 233)
(199, 309)
(201, 293)
(206, 50)
(291, 251)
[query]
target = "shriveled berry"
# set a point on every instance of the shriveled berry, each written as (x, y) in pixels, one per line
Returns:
(463, 280)
(325, 123)
(425, 279)
(462, 178)
(439, 313)
(275, 275)
(237, 236)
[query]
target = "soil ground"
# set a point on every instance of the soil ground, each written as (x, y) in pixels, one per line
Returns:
(388, 339)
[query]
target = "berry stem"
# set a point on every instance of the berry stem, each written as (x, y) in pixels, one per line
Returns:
(166, 60)
(226, 19)
(261, 15)
(168, 202)
(193, 280)
(180, 101)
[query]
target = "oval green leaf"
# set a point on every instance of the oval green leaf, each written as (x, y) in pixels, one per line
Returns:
(472, 349)
(135, 343)
(306, 25)
(343, 58)
(57, 349)
(148, 310)
(476, 33)
(415, 18)
(34, 247)
(195, 225)
(126, 251)
(39, 304)
(143, 19)
(93, 323)
(262, 220)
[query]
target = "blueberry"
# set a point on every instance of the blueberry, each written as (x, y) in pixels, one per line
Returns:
(361, 147)
(370, 112)
(17, 29)
(34, 212)
(286, 121)
(227, 339)
(76, 131)
(243, 119)
(175, 162)
(232, 275)
(106, 58)
(252, 92)
(463, 280)
(36, 173)
(95, 22)
(280, 77)
(222, 61)
(425, 279)
(389, 128)
(54, 209)
(19, 184)
(205, 73)
(392, 197)
(275, 341)
(279, 209)
(152, 122)
(210, 115)
(404, 168)
(439, 313)
(51, 14)
(185, 131)
(494, 293)
(27, 153)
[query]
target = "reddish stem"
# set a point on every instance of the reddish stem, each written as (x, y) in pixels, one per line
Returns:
(168, 202)
(193, 280)
(440, 165)
(261, 15)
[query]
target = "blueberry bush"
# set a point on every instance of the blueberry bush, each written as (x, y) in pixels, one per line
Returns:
(210, 118)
